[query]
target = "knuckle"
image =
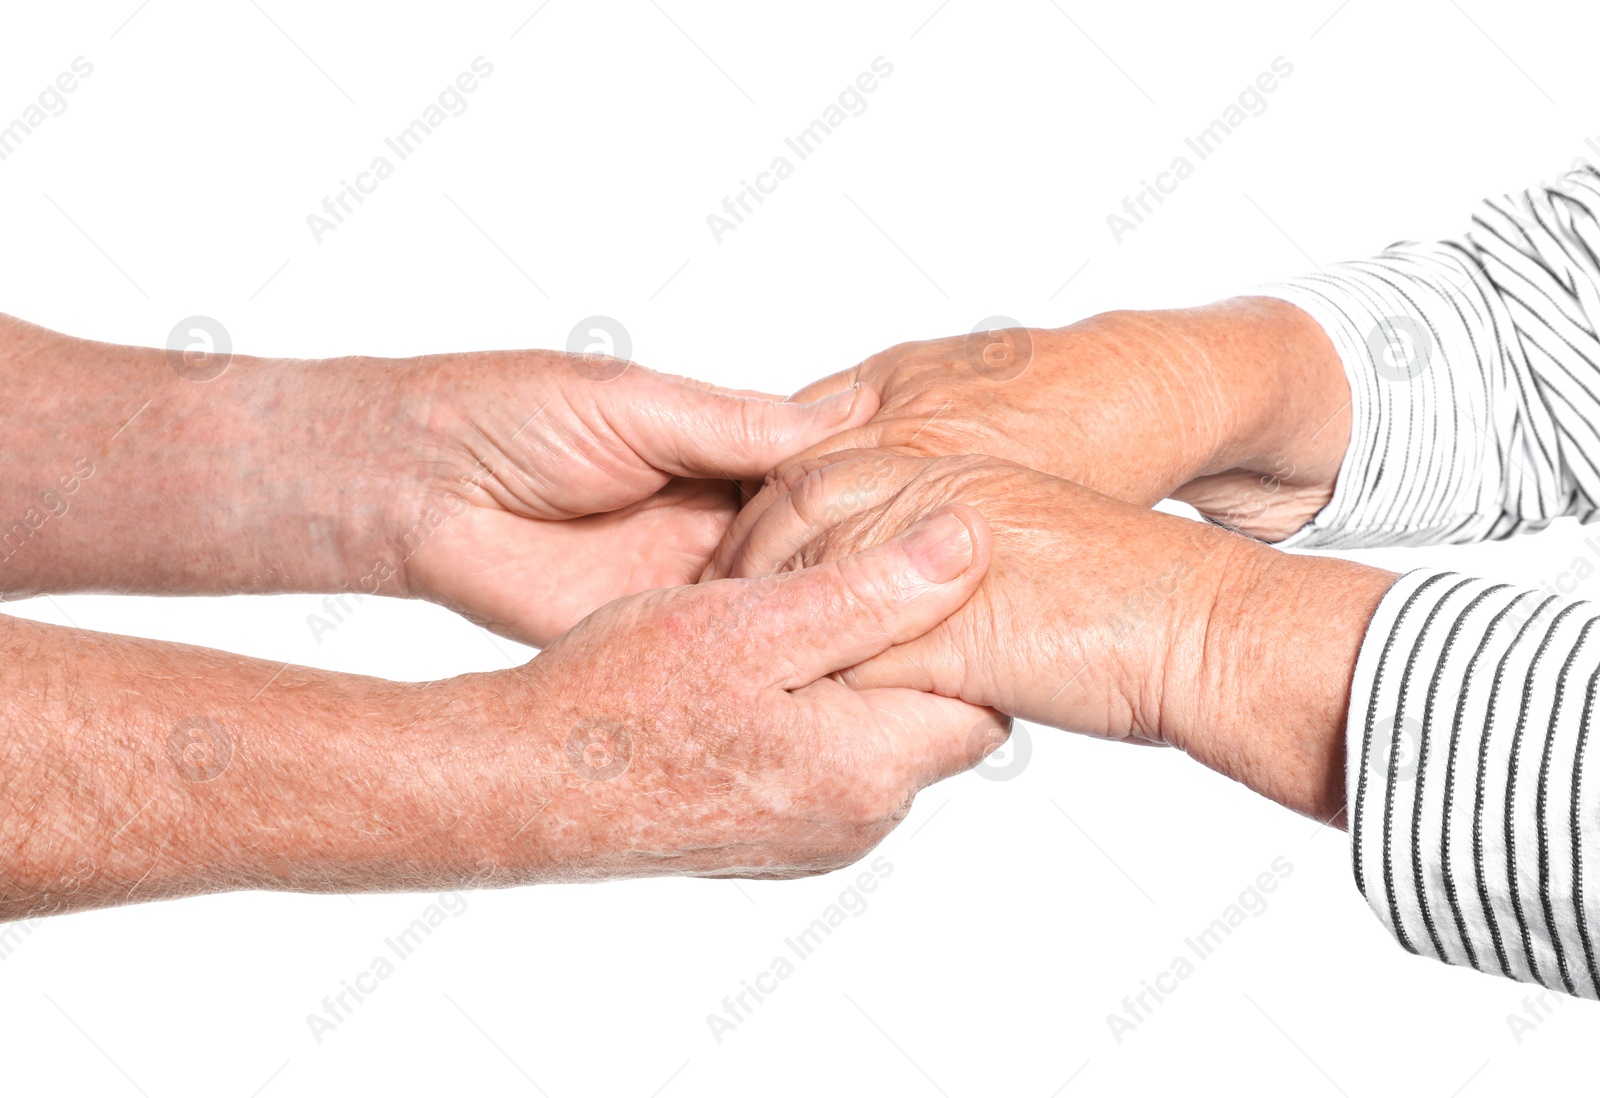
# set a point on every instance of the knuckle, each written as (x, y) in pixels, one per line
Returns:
(756, 428)
(812, 498)
(867, 592)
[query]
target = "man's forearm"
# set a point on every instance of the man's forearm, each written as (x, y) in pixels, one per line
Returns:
(121, 473)
(133, 770)
(694, 730)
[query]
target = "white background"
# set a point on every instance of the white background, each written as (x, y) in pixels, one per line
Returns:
(1019, 913)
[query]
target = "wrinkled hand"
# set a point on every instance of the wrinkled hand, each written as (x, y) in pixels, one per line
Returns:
(697, 730)
(537, 486)
(1087, 601)
(1097, 616)
(1226, 406)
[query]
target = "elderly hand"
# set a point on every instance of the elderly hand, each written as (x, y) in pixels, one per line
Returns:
(544, 485)
(1101, 617)
(523, 488)
(687, 731)
(1237, 407)
(699, 732)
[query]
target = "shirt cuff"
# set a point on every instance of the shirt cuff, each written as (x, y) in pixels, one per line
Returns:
(1419, 342)
(1474, 809)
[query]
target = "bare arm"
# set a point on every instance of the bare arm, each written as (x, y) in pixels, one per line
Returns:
(687, 731)
(1101, 617)
(522, 488)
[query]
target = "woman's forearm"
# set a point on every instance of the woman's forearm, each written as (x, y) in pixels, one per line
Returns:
(1272, 672)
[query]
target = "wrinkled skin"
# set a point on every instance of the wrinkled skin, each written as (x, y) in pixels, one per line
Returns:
(1092, 616)
(1216, 406)
(697, 731)
(549, 487)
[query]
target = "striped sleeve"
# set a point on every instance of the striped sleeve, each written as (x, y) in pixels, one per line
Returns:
(1474, 803)
(1474, 369)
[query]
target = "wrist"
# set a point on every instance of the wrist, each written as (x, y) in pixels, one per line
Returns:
(1280, 379)
(1269, 394)
(1165, 396)
(1263, 381)
(1268, 688)
(335, 448)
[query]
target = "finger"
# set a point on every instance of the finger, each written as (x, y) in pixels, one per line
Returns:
(818, 499)
(827, 386)
(811, 623)
(704, 431)
(728, 550)
(921, 738)
(777, 485)
(710, 386)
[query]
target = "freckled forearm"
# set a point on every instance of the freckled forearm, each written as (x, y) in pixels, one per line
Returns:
(122, 471)
(132, 770)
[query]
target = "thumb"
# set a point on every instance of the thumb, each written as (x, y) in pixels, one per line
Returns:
(694, 430)
(833, 616)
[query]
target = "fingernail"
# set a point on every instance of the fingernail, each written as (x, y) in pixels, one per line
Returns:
(836, 408)
(939, 547)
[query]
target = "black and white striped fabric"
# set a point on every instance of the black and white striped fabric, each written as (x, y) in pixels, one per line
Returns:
(1474, 370)
(1474, 802)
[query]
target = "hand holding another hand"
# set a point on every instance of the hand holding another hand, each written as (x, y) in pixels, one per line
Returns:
(1235, 407)
(542, 485)
(697, 731)
(1098, 616)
